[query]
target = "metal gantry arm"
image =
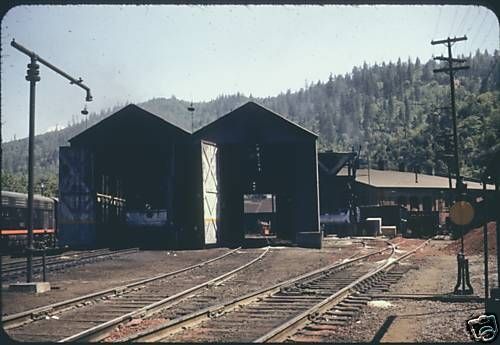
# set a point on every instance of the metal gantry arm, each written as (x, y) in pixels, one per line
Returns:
(33, 76)
(33, 55)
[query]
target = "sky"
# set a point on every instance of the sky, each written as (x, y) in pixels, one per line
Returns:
(135, 53)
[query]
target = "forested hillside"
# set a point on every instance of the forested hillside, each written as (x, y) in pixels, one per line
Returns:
(395, 111)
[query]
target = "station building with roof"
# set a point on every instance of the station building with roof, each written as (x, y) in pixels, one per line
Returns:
(414, 191)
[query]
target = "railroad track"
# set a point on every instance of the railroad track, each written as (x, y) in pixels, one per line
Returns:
(246, 318)
(92, 317)
(12, 263)
(234, 286)
(14, 269)
(317, 323)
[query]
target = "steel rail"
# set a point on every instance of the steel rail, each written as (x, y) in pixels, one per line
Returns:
(19, 319)
(6, 262)
(54, 261)
(100, 331)
(158, 332)
(281, 332)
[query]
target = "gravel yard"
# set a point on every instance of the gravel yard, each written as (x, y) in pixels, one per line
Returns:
(129, 268)
(383, 320)
(281, 264)
(97, 276)
(406, 320)
(411, 321)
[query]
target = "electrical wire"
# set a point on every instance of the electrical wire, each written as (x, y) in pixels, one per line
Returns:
(478, 12)
(475, 36)
(435, 30)
(487, 34)
(453, 22)
(437, 22)
(463, 19)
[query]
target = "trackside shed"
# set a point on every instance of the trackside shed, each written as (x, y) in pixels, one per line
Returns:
(254, 156)
(122, 181)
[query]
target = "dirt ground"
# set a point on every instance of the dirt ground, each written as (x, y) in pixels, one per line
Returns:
(397, 320)
(94, 277)
(474, 241)
(280, 264)
(133, 267)
(405, 320)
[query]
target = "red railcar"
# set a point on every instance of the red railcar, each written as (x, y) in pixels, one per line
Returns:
(13, 221)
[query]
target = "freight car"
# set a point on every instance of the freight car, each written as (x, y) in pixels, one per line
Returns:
(14, 221)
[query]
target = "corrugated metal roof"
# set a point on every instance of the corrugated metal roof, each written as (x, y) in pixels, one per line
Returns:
(399, 179)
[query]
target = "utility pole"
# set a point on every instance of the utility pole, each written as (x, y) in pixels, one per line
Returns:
(450, 69)
(446, 144)
(463, 263)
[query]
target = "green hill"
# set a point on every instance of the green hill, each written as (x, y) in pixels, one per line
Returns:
(391, 110)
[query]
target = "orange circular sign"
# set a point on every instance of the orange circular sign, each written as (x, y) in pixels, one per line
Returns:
(462, 213)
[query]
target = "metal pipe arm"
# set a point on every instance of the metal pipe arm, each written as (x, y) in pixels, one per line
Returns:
(72, 80)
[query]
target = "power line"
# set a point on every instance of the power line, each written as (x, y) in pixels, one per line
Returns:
(487, 34)
(462, 21)
(436, 28)
(474, 20)
(479, 27)
(453, 22)
(437, 23)
(462, 24)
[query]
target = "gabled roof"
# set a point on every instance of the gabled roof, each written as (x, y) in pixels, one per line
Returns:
(250, 120)
(129, 122)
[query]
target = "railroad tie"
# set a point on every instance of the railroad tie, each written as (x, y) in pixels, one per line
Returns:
(345, 307)
(360, 298)
(338, 313)
(328, 319)
(323, 327)
(305, 338)
(351, 301)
